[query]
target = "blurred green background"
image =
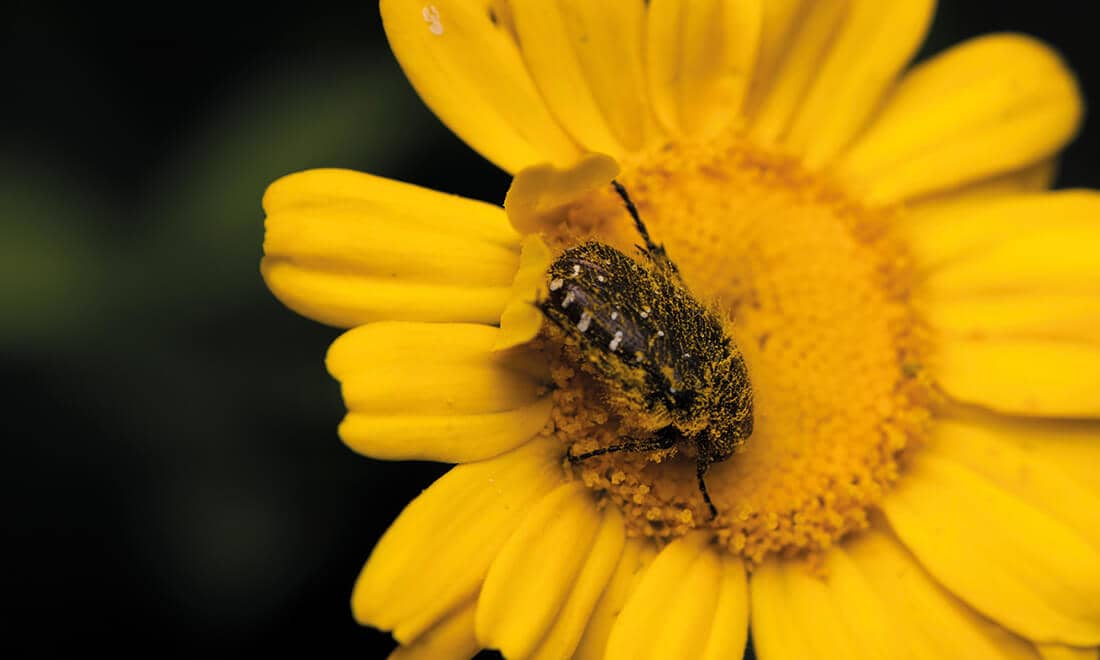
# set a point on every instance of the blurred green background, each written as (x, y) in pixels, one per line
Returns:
(173, 483)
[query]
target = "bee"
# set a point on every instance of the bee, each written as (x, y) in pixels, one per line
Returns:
(654, 347)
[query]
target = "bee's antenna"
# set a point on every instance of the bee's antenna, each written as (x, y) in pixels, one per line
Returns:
(650, 246)
(656, 253)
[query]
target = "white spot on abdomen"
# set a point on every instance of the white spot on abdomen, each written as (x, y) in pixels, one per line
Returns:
(556, 283)
(586, 320)
(616, 340)
(431, 17)
(568, 300)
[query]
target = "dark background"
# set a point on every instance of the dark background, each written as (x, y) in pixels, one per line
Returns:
(172, 479)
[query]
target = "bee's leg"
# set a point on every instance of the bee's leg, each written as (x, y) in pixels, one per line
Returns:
(700, 470)
(663, 439)
(655, 252)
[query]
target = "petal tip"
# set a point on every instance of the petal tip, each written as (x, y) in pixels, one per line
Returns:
(539, 191)
(521, 320)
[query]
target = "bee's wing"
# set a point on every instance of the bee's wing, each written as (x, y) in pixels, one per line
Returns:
(606, 304)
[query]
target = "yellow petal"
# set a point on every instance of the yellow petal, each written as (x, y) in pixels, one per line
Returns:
(874, 44)
(436, 391)
(1035, 377)
(1072, 447)
(990, 105)
(690, 603)
(589, 585)
(636, 556)
(586, 58)
(1056, 652)
(1016, 267)
(343, 298)
(1072, 317)
(700, 57)
(467, 68)
(793, 616)
(685, 570)
(1031, 179)
(346, 248)
(1053, 259)
(1029, 473)
(730, 630)
(521, 320)
(533, 574)
(960, 238)
(540, 192)
(452, 368)
(874, 601)
(778, 20)
(436, 554)
(447, 438)
(807, 43)
(1013, 537)
(450, 639)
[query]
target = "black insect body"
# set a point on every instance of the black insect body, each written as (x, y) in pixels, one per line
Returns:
(654, 347)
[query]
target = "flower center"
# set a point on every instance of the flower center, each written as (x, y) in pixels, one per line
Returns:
(817, 295)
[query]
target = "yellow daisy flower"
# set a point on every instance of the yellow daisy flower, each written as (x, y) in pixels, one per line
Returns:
(919, 317)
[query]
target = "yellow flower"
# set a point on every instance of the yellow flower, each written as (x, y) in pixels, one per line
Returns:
(919, 316)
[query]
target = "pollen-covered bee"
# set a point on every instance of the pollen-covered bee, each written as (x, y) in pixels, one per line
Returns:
(654, 347)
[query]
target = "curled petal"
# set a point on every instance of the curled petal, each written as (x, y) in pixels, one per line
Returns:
(437, 391)
(539, 193)
(346, 248)
(521, 320)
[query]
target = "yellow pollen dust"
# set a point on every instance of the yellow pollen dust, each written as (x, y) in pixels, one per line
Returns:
(818, 298)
